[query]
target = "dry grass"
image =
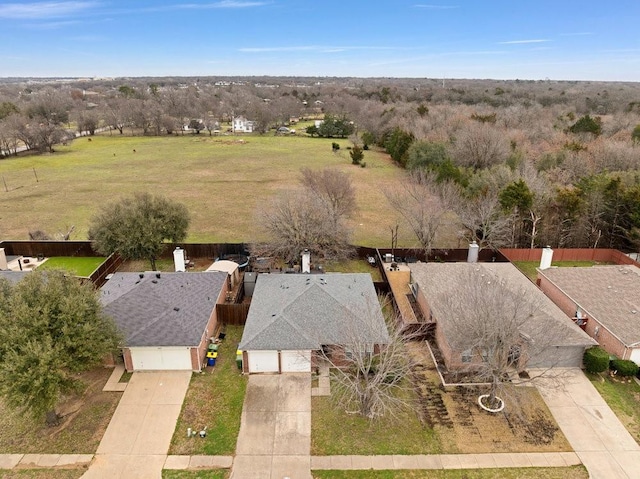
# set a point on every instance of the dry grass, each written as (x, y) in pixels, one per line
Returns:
(222, 180)
(214, 399)
(74, 473)
(575, 472)
(456, 426)
(87, 417)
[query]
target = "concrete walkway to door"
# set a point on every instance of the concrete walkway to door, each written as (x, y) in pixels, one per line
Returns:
(137, 440)
(275, 430)
(599, 439)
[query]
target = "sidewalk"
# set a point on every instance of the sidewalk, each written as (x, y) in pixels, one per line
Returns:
(596, 435)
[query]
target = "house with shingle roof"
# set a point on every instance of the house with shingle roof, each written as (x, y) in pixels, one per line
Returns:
(167, 318)
(293, 317)
(432, 283)
(605, 299)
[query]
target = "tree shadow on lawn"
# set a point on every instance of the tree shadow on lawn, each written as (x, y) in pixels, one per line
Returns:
(86, 417)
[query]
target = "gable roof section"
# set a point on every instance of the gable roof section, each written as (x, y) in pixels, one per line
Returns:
(608, 294)
(436, 279)
(172, 310)
(293, 312)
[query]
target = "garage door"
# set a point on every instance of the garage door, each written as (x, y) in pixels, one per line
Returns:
(295, 361)
(154, 359)
(263, 361)
(635, 356)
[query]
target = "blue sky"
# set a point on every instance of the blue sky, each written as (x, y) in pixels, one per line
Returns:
(502, 39)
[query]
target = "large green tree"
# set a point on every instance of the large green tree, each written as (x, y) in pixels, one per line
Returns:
(51, 328)
(136, 227)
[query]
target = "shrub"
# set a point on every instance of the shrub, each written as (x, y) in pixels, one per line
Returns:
(624, 367)
(357, 154)
(596, 360)
(335, 146)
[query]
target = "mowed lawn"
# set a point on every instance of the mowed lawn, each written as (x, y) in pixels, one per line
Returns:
(80, 266)
(222, 180)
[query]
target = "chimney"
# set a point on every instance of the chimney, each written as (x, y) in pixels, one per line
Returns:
(472, 255)
(3, 260)
(547, 257)
(306, 261)
(178, 259)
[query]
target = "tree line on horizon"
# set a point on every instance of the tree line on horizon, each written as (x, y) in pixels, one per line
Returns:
(521, 163)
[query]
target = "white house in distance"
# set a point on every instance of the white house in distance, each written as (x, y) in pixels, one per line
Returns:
(167, 318)
(241, 125)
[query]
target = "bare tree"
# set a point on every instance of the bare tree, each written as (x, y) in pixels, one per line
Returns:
(371, 380)
(333, 188)
(419, 204)
(296, 221)
(482, 219)
(495, 326)
(480, 146)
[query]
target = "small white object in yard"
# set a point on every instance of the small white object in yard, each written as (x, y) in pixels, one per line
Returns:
(188, 432)
(203, 433)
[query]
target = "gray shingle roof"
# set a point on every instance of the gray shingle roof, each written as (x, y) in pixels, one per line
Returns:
(609, 294)
(293, 312)
(436, 279)
(13, 276)
(172, 310)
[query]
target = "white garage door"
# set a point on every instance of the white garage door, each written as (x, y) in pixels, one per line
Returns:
(263, 361)
(154, 359)
(295, 361)
(635, 356)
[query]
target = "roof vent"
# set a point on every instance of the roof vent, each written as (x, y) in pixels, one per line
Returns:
(158, 275)
(141, 275)
(176, 309)
(154, 281)
(633, 311)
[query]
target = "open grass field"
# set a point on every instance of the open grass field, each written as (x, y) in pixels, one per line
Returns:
(575, 472)
(623, 397)
(80, 266)
(215, 400)
(222, 180)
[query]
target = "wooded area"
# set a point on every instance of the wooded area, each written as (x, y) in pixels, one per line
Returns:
(529, 163)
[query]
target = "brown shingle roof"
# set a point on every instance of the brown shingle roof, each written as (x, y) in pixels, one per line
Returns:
(438, 279)
(608, 294)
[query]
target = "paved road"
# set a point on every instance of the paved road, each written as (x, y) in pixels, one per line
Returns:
(137, 440)
(602, 443)
(275, 432)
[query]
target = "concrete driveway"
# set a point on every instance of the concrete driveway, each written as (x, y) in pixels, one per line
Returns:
(275, 432)
(603, 444)
(137, 440)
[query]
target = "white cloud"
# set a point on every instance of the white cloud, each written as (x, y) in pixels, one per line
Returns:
(518, 42)
(40, 10)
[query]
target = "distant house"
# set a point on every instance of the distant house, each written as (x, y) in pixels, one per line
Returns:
(604, 299)
(241, 125)
(167, 318)
(431, 281)
(293, 317)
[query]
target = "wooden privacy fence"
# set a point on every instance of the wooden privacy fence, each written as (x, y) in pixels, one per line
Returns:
(232, 314)
(601, 255)
(110, 265)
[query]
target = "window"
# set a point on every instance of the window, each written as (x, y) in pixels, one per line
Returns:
(466, 356)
